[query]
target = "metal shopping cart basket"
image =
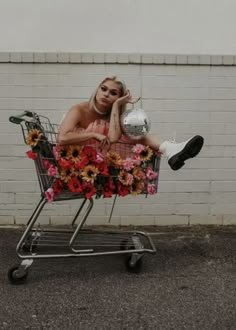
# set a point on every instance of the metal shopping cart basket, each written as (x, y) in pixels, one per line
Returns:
(85, 173)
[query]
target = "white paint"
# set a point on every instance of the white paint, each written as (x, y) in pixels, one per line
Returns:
(139, 26)
(181, 100)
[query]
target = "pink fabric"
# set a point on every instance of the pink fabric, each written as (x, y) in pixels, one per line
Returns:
(101, 126)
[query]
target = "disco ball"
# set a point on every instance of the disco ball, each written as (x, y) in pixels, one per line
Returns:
(135, 123)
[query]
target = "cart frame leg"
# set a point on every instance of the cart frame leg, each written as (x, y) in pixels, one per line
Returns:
(30, 223)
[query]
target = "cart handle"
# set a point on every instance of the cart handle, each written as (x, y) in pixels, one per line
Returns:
(18, 119)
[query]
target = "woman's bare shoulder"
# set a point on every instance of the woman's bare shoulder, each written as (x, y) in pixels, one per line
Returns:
(83, 106)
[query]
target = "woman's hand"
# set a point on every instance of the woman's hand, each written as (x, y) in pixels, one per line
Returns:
(99, 137)
(105, 144)
(127, 98)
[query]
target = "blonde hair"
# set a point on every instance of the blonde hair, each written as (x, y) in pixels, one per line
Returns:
(116, 80)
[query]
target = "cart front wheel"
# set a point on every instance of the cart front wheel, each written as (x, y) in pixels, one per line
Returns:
(17, 277)
(134, 267)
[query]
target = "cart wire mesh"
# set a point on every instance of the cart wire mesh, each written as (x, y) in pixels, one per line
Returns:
(54, 170)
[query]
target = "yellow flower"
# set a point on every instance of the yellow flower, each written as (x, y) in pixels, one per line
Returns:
(146, 154)
(34, 137)
(66, 174)
(114, 158)
(89, 173)
(74, 153)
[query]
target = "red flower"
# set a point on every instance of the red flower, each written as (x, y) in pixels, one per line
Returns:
(79, 165)
(122, 190)
(90, 153)
(74, 185)
(46, 163)
(64, 163)
(103, 168)
(88, 189)
(108, 188)
(57, 186)
(31, 154)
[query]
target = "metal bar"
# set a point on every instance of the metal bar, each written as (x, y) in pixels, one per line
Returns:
(81, 223)
(78, 212)
(32, 220)
(82, 253)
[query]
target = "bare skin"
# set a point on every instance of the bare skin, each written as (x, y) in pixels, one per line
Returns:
(108, 102)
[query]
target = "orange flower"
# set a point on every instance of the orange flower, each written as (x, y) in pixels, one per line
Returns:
(138, 173)
(89, 173)
(114, 158)
(125, 178)
(145, 154)
(137, 188)
(34, 137)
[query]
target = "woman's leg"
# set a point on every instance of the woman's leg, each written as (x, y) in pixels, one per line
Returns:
(176, 153)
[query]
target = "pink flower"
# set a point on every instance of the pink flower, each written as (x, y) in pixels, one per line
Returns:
(151, 189)
(150, 174)
(128, 164)
(158, 153)
(46, 163)
(49, 195)
(138, 148)
(99, 158)
(54, 151)
(31, 154)
(136, 161)
(52, 170)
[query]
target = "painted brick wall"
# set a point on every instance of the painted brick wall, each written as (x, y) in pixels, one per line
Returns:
(183, 96)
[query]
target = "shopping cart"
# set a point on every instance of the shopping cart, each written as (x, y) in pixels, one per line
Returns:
(78, 239)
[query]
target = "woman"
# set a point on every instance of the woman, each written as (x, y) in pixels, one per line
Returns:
(99, 120)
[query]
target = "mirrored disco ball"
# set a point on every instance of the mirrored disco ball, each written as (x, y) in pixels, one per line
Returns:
(135, 123)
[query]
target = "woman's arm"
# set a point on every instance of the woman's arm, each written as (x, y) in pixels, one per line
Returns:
(115, 132)
(67, 132)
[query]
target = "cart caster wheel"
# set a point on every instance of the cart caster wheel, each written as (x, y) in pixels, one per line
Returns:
(124, 246)
(134, 267)
(16, 277)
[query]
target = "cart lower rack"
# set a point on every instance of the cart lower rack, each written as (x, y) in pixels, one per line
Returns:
(85, 173)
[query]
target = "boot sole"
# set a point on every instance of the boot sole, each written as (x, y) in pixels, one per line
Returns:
(191, 150)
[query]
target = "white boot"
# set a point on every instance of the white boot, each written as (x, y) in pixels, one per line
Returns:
(177, 153)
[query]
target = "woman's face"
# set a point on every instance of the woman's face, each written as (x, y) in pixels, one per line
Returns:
(106, 95)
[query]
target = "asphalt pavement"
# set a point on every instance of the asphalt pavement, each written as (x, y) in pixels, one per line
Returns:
(189, 283)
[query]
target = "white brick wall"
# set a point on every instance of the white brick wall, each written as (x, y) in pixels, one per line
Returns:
(181, 100)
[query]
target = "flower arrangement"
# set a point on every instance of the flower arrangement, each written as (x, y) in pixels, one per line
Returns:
(87, 171)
